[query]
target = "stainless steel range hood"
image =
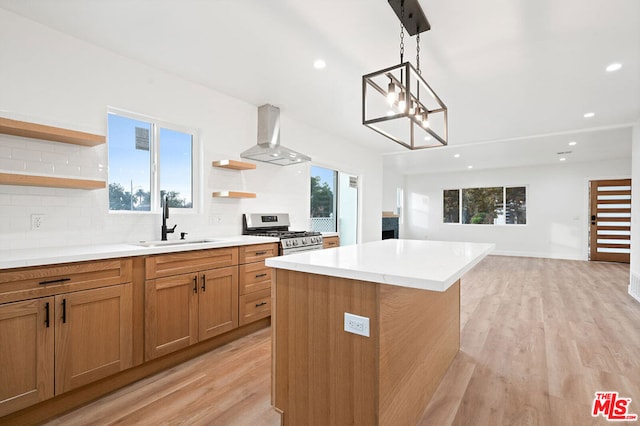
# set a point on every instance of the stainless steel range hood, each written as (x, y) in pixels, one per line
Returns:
(269, 149)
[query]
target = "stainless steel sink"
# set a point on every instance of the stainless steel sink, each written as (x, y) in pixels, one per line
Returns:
(174, 243)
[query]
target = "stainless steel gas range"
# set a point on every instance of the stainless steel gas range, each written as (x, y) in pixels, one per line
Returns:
(277, 225)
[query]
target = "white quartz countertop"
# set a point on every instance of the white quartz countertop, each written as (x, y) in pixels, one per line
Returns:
(52, 255)
(427, 265)
(330, 234)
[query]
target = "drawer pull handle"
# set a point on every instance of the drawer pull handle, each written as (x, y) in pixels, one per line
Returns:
(64, 311)
(260, 304)
(46, 313)
(260, 253)
(204, 283)
(61, 280)
(195, 284)
(261, 275)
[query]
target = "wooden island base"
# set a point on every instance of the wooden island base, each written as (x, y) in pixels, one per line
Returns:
(324, 375)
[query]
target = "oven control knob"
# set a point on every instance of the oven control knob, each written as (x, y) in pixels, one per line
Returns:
(295, 242)
(304, 241)
(313, 240)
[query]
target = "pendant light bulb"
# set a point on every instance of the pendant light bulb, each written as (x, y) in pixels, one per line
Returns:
(402, 104)
(391, 93)
(412, 109)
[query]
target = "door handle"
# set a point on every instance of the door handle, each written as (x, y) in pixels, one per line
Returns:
(261, 275)
(195, 284)
(204, 282)
(64, 311)
(46, 312)
(260, 304)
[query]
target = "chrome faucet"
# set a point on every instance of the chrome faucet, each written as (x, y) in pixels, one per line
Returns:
(165, 216)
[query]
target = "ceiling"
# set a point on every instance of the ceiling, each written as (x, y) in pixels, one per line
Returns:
(516, 75)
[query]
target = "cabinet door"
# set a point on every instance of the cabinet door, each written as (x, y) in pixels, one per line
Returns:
(217, 302)
(171, 314)
(26, 353)
(94, 335)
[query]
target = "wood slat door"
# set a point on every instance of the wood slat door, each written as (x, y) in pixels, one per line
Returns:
(610, 229)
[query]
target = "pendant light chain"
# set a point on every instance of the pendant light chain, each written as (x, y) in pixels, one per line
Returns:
(418, 54)
(402, 33)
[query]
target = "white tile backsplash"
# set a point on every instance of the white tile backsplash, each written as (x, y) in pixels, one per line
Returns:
(76, 93)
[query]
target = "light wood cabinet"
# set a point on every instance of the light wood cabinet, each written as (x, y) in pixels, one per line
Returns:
(94, 336)
(328, 242)
(28, 283)
(61, 327)
(54, 344)
(26, 353)
(255, 282)
(186, 308)
(217, 302)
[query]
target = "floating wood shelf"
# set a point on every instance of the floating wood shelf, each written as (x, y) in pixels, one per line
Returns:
(51, 182)
(234, 165)
(233, 194)
(49, 133)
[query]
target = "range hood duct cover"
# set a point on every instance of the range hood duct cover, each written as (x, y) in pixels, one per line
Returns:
(268, 149)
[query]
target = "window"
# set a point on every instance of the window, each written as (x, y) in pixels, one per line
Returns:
(323, 199)
(334, 203)
(481, 206)
(148, 161)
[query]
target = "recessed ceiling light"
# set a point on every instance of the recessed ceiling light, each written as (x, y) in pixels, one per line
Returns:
(456, 155)
(319, 64)
(469, 167)
(614, 67)
(562, 159)
(390, 113)
(573, 143)
(589, 115)
(427, 138)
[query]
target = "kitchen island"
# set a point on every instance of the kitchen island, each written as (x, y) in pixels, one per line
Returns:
(410, 293)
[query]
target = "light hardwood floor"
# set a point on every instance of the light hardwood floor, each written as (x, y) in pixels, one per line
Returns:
(539, 338)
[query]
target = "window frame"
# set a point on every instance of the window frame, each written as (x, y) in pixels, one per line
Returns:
(155, 166)
(504, 201)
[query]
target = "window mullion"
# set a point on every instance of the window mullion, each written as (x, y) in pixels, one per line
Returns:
(155, 168)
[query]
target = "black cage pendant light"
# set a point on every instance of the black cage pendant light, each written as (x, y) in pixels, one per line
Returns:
(396, 101)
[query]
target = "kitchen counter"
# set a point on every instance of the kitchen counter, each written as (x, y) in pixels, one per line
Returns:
(383, 365)
(53, 255)
(425, 265)
(330, 234)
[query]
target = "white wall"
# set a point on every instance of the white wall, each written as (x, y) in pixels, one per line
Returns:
(392, 180)
(634, 285)
(557, 207)
(51, 78)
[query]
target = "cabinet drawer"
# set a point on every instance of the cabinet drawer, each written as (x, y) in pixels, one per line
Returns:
(257, 252)
(26, 283)
(254, 306)
(254, 277)
(166, 265)
(328, 242)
